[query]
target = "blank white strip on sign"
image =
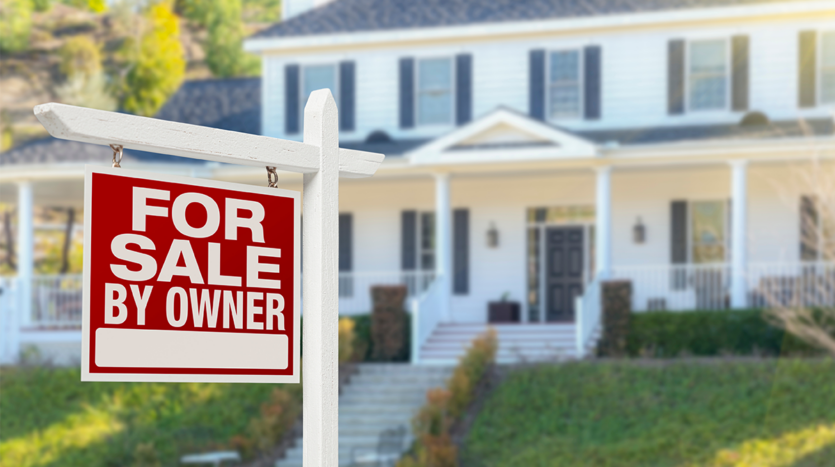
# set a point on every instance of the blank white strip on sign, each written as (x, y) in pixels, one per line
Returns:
(152, 348)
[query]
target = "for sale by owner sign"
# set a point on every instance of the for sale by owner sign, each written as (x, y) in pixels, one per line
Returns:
(189, 280)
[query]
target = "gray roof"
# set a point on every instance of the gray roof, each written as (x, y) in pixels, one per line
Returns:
(229, 104)
(344, 16)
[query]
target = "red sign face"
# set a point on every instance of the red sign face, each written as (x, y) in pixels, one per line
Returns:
(189, 280)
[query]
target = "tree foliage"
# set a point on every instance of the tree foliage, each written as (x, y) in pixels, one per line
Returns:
(158, 66)
(15, 25)
(224, 45)
(79, 55)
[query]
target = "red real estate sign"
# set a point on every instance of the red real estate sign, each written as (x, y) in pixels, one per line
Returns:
(189, 280)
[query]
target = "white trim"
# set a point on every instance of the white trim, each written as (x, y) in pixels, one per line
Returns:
(819, 71)
(497, 30)
(158, 377)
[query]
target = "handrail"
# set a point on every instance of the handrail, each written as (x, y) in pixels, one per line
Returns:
(426, 310)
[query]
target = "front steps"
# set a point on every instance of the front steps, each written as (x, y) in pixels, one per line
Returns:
(517, 342)
(379, 396)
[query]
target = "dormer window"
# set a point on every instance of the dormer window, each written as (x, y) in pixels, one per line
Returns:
(828, 67)
(708, 75)
(434, 91)
(564, 84)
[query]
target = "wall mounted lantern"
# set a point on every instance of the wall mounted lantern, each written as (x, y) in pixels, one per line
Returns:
(639, 232)
(492, 236)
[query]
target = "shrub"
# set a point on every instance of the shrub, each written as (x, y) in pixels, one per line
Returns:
(79, 56)
(709, 333)
(346, 339)
(388, 323)
(617, 309)
(15, 25)
(265, 431)
(433, 444)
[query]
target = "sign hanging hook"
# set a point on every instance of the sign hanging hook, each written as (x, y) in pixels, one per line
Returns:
(272, 177)
(117, 151)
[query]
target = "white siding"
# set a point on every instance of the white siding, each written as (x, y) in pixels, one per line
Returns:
(634, 79)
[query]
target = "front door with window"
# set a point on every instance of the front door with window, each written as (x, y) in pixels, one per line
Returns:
(564, 272)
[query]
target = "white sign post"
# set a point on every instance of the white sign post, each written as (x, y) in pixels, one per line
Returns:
(322, 162)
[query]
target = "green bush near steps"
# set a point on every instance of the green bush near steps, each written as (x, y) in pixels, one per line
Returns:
(666, 334)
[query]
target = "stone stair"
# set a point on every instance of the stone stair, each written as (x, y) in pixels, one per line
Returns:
(379, 396)
(517, 342)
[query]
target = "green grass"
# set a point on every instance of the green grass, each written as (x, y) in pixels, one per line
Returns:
(49, 418)
(754, 413)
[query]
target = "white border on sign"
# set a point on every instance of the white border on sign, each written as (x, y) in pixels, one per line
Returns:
(187, 378)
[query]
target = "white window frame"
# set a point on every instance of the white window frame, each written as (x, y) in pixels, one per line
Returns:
(687, 60)
(416, 99)
(581, 81)
(302, 95)
(820, 69)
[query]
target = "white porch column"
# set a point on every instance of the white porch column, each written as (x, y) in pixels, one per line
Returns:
(739, 233)
(25, 250)
(603, 223)
(443, 241)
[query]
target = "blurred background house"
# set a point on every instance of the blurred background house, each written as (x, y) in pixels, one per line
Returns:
(534, 149)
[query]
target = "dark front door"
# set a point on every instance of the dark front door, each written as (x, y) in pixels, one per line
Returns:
(564, 272)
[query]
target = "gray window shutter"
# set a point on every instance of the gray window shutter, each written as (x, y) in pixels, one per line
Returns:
(807, 69)
(346, 240)
(461, 251)
(407, 93)
(808, 229)
(675, 77)
(678, 242)
(537, 84)
(463, 88)
(408, 243)
(739, 73)
(592, 85)
(346, 96)
(291, 99)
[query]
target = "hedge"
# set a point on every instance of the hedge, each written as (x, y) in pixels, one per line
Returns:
(709, 333)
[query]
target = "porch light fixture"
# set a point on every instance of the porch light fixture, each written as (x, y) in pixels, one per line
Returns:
(639, 232)
(492, 236)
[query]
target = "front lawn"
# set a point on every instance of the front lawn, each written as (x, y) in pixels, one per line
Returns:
(687, 413)
(49, 418)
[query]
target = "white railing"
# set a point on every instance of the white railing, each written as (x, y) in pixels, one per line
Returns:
(426, 315)
(588, 310)
(56, 301)
(791, 284)
(355, 287)
(9, 321)
(677, 287)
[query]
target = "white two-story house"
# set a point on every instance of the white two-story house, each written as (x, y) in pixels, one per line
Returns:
(535, 148)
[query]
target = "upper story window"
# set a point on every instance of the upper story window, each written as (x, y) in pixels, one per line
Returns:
(708, 75)
(828, 67)
(564, 84)
(318, 77)
(434, 91)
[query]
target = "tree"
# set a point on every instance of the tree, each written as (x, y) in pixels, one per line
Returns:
(15, 25)
(224, 45)
(86, 91)
(79, 55)
(158, 66)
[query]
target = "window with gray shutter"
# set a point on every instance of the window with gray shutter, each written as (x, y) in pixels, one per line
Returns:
(291, 99)
(807, 69)
(678, 243)
(346, 96)
(408, 243)
(537, 84)
(592, 88)
(461, 251)
(463, 88)
(346, 240)
(407, 93)
(739, 73)
(808, 229)
(675, 77)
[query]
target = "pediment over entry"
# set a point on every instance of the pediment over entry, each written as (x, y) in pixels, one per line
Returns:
(503, 135)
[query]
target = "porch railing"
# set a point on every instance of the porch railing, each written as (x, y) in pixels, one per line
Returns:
(807, 284)
(677, 287)
(588, 317)
(426, 315)
(355, 287)
(56, 301)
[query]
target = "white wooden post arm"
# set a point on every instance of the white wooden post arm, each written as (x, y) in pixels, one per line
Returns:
(194, 141)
